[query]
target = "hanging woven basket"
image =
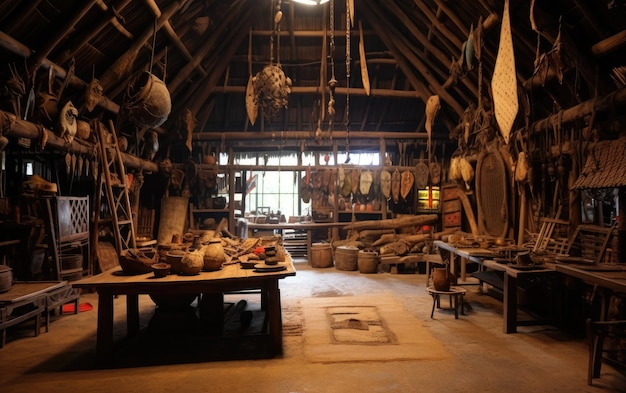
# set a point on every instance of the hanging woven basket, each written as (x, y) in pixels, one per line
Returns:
(148, 100)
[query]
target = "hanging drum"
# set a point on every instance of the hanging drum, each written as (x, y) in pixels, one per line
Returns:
(492, 194)
(148, 100)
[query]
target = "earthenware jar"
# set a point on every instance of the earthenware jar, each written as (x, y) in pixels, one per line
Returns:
(214, 255)
(441, 279)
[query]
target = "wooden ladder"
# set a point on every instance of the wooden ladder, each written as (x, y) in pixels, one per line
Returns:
(119, 216)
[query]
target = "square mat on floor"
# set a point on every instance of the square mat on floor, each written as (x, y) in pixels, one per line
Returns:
(365, 328)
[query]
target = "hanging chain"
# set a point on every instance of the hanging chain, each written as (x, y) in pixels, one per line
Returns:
(332, 83)
(347, 76)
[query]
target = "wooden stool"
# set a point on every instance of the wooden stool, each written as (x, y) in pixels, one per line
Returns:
(455, 293)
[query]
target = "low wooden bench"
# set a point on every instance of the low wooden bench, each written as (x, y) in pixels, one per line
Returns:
(33, 299)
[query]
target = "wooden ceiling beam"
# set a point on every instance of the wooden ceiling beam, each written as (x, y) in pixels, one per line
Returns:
(443, 59)
(234, 39)
(434, 22)
(121, 68)
(85, 36)
(420, 89)
(171, 34)
(43, 52)
(401, 51)
(207, 47)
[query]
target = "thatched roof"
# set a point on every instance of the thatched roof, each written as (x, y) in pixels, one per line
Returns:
(205, 50)
(605, 166)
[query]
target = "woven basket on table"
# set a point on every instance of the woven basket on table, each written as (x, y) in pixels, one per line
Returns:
(136, 261)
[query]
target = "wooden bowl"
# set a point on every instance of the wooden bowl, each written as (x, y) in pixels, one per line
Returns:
(161, 269)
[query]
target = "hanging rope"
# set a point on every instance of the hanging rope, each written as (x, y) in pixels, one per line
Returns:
(272, 37)
(278, 16)
(153, 45)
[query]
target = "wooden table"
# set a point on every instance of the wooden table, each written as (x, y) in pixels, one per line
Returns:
(510, 282)
(230, 278)
(611, 281)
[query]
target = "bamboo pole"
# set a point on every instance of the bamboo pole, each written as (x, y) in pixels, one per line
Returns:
(609, 45)
(392, 93)
(601, 104)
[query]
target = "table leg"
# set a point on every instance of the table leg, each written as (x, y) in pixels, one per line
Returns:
(212, 312)
(274, 317)
(432, 311)
(599, 340)
(309, 243)
(463, 269)
(510, 304)
(132, 314)
(104, 342)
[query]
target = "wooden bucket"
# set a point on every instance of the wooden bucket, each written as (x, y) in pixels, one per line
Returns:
(346, 258)
(368, 262)
(321, 255)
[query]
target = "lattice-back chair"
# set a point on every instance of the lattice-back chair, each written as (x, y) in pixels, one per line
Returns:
(68, 227)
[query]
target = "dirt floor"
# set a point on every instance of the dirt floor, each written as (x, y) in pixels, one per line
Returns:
(167, 357)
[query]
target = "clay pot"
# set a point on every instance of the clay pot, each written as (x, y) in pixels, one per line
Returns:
(149, 102)
(214, 255)
(174, 258)
(441, 279)
(192, 263)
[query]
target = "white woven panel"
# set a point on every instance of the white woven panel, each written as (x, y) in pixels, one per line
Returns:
(504, 82)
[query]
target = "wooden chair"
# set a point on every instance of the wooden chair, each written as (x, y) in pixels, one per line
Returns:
(597, 332)
(587, 244)
(546, 233)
